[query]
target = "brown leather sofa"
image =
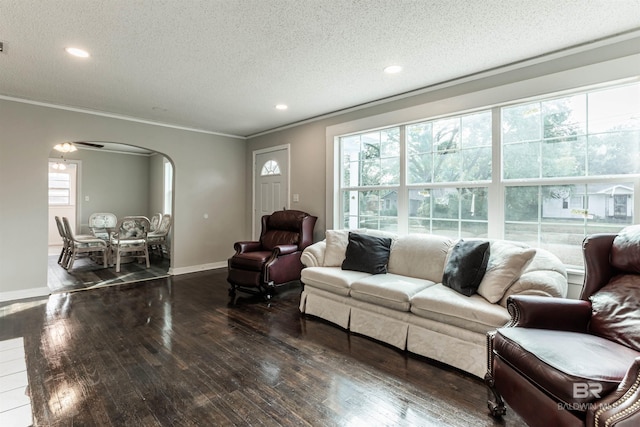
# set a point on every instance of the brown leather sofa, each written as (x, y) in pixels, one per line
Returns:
(562, 362)
(260, 266)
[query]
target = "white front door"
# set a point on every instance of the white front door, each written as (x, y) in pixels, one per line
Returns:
(271, 186)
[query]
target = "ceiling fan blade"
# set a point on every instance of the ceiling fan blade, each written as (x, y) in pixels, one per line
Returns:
(90, 144)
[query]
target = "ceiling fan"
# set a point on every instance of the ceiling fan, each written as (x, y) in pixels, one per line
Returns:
(89, 144)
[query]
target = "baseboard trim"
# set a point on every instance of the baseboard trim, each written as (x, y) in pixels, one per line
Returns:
(196, 268)
(24, 294)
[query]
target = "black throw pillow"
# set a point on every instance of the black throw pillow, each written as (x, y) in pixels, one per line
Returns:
(466, 266)
(368, 254)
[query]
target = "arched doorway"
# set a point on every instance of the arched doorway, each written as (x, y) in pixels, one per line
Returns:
(121, 179)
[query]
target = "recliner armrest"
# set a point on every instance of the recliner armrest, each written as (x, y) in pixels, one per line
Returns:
(529, 311)
(621, 405)
(285, 249)
(246, 246)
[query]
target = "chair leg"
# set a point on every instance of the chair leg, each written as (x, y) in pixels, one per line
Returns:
(65, 258)
(61, 255)
(117, 261)
(146, 255)
(72, 258)
(496, 405)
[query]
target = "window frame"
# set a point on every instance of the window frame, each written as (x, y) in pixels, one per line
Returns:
(71, 165)
(167, 186)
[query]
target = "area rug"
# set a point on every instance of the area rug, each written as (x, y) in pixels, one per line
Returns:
(86, 274)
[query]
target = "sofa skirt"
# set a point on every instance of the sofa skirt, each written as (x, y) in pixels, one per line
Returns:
(327, 306)
(462, 349)
(454, 346)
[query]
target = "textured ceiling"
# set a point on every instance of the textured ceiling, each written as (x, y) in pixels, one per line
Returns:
(222, 65)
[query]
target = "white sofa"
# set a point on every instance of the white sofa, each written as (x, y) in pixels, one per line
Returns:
(409, 307)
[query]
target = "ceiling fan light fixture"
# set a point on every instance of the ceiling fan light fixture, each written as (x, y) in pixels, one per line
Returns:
(80, 53)
(65, 147)
(281, 107)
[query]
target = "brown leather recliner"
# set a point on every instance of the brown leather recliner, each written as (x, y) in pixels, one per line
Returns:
(562, 362)
(259, 267)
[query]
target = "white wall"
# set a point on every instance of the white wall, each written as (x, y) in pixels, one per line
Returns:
(209, 177)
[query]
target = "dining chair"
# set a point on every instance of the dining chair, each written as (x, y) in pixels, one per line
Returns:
(129, 239)
(102, 224)
(158, 239)
(82, 245)
(155, 221)
(65, 242)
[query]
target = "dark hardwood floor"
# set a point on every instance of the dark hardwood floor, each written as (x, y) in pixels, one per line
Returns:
(177, 352)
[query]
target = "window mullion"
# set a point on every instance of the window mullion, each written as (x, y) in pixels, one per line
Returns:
(496, 187)
(403, 193)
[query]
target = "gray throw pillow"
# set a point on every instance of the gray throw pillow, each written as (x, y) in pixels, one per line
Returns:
(369, 254)
(466, 266)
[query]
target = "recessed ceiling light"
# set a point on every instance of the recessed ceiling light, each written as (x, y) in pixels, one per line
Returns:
(80, 53)
(281, 107)
(392, 69)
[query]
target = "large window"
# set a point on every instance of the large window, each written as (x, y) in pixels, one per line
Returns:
(568, 166)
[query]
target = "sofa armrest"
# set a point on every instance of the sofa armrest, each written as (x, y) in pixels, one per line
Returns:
(246, 246)
(529, 311)
(313, 256)
(621, 405)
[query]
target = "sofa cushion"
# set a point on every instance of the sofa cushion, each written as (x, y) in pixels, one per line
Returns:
(420, 255)
(445, 305)
(616, 311)
(558, 360)
(369, 254)
(466, 265)
(506, 262)
(625, 250)
(388, 290)
(332, 279)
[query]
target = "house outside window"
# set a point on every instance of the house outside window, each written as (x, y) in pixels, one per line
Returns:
(568, 166)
